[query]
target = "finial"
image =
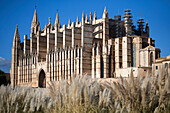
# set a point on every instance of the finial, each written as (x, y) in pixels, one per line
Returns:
(16, 25)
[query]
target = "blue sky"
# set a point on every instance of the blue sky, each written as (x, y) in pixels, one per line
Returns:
(21, 12)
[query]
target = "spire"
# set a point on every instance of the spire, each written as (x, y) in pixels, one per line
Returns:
(86, 18)
(57, 21)
(77, 22)
(91, 17)
(95, 17)
(105, 13)
(35, 18)
(16, 35)
(35, 23)
(69, 23)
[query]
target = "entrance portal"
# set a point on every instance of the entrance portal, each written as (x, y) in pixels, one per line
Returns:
(42, 80)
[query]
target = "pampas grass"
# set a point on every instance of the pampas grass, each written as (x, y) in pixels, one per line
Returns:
(133, 95)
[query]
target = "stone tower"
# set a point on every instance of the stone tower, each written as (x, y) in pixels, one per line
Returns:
(16, 50)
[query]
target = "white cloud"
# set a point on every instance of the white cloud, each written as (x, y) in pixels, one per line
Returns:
(5, 65)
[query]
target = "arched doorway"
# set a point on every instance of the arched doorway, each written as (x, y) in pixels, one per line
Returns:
(42, 79)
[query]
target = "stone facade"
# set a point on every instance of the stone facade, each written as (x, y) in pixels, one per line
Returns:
(101, 48)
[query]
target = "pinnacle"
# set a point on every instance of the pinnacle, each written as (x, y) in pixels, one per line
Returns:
(69, 22)
(105, 13)
(91, 16)
(83, 16)
(16, 35)
(57, 20)
(86, 18)
(147, 25)
(95, 17)
(77, 20)
(35, 18)
(105, 10)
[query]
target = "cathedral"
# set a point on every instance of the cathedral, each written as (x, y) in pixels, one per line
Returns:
(101, 48)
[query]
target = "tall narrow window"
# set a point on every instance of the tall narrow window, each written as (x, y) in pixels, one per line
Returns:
(33, 60)
(133, 55)
(53, 65)
(151, 59)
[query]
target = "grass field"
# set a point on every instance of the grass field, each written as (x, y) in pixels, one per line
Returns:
(134, 95)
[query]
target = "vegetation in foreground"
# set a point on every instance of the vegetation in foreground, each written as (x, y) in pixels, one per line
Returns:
(135, 95)
(3, 79)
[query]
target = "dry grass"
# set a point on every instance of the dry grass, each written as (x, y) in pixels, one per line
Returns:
(133, 95)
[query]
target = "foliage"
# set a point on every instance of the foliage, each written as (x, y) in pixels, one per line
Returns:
(2, 78)
(1, 73)
(134, 95)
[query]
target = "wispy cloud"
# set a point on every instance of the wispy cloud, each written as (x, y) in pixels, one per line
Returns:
(5, 65)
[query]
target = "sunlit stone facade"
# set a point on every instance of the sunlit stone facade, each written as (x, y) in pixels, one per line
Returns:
(101, 48)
